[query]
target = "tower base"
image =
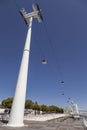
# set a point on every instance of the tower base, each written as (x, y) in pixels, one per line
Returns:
(15, 125)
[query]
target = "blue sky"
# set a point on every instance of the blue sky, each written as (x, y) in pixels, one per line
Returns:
(61, 39)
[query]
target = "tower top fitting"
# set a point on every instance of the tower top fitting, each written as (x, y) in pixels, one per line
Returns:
(36, 13)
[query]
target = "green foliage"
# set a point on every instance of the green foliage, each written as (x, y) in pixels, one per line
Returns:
(7, 103)
(36, 106)
(44, 108)
(61, 110)
(29, 104)
(53, 108)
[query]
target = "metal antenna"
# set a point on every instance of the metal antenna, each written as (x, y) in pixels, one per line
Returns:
(18, 105)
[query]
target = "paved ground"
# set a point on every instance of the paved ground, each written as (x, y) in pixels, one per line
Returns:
(67, 124)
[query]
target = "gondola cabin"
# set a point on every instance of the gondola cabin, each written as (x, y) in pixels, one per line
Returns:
(44, 61)
(62, 82)
(62, 94)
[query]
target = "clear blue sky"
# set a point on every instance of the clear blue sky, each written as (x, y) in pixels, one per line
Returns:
(61, 39)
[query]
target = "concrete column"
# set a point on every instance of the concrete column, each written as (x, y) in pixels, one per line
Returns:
(17, 110)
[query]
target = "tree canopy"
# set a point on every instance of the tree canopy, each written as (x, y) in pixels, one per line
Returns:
(29, 104)
(7, 103)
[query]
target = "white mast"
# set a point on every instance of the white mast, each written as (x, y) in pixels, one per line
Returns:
(17, 110)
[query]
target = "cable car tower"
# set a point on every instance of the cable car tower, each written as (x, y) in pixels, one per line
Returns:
(17, 110)
(74, 108)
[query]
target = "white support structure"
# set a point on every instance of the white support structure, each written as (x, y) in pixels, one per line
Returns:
(17, 110)
(74, 107)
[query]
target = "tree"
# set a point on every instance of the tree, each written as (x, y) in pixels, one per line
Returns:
(55, 109)
(52, 108)
(29, 104)
(7, 103)
(61, 110)
(36, 106)
(44, 108)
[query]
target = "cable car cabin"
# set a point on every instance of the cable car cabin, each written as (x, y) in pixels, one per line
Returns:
(62, 82)
(62, 94)
(44, 61)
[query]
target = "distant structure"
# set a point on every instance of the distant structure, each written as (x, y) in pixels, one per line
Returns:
(17, 110)
(74, 108)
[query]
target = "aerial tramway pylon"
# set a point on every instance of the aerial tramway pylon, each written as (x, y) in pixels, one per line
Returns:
(17, 110)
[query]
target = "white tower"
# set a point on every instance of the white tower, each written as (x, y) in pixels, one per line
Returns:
(17, 110)
(74, 107)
